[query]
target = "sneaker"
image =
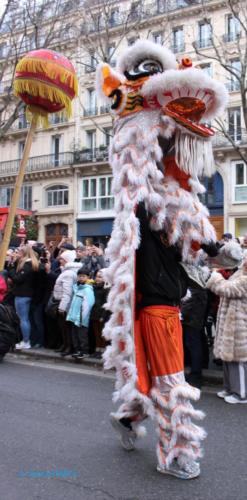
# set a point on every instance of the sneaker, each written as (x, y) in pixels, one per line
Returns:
(81, 355)
(126, 434)
(189, 471)
(223, 394)
(20, 345)
(26, 345)
(76, 354)
(233, 399)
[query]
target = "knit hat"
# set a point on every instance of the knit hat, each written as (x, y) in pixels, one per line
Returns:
(68, 255)
(84, 270)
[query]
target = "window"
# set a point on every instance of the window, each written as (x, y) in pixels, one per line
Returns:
(91, 65)
(4, 50)
(110, 54)
(108, 133)
(234, 122)
(114, 18)
(25, 200)
(91, 139)
(134, 11)
(160, 6)
(158, 38)
(22, 121)
(91, 103)
(178, 40)
(205, 35)
(96, 194)
(234, 83)
(21, 145)
(57, 196)
(240, 188)
(56, 139)
(232, 28)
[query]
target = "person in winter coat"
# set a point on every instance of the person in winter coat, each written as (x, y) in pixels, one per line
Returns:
(194, 311)
(94, 260)
(79, 312)
(99, 315)
(37, 314)
(62, 291)
(22, 274)
(231, 332)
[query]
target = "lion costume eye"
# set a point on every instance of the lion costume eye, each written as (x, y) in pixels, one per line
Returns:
(144, 68)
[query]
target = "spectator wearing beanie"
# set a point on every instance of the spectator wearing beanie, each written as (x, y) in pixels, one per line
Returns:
(63, 290)
(79, 312)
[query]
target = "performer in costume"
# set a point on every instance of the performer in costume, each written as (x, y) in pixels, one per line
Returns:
(159, 149)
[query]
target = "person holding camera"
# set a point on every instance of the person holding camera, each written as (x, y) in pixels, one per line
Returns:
(95, 260)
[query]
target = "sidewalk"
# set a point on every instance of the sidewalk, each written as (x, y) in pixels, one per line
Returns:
(212, 376)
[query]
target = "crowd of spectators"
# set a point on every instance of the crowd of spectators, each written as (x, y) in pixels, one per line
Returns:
(58, 294)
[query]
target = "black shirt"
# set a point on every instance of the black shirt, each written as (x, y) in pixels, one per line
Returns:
(160, 278)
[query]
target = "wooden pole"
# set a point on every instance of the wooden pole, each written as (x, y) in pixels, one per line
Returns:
(16, 193)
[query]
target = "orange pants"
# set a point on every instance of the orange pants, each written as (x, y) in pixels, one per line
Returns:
(158, 344)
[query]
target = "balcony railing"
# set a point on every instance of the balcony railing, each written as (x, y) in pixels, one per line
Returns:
(105, 109)
(92, 111)
(233, 85)
(203, 43)
(91, 155)
(96, 111)
(231, 37)
(178, 48)
(151, 9)
(37, 163)
(90, 69)
(220, 141)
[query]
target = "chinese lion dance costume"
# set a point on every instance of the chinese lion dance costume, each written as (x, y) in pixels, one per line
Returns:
(159, 149)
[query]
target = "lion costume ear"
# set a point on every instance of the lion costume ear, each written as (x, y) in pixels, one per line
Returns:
(107, 80)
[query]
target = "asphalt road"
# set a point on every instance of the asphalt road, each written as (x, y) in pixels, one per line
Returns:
(56, 443)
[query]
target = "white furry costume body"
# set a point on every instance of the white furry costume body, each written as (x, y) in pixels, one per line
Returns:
(143, 117)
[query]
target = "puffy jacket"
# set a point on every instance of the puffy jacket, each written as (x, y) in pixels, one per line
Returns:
(10, 332)
(63, 288)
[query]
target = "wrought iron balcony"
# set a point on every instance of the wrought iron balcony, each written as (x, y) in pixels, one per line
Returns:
(105, 109)
(231, 37)
(37, 163)
(92, 111)
(203, 43)
(221, 141)
(178, 48)
(91, 155)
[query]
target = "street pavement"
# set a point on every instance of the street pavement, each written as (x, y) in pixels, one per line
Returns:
(57, 443)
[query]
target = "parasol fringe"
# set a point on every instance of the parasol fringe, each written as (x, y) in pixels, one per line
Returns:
(47, 67)
(43, 90)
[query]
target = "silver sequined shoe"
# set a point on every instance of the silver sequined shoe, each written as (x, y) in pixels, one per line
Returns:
(188, 471)
(126, 435)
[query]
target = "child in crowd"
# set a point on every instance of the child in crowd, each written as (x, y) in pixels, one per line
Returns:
(99, 315)
(79, 312)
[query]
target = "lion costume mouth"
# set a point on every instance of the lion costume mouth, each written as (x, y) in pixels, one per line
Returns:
(187, 112)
